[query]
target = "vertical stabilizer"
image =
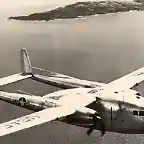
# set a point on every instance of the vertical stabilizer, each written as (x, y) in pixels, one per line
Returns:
(26, 67)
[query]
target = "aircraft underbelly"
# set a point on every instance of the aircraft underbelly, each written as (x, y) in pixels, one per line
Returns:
(79, 119)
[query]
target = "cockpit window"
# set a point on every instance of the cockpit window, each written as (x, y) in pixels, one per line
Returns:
(138, 94)
(138, 97)
(135, 112)
(141, 113)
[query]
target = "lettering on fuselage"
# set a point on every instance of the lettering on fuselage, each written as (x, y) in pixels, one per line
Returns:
(21, 120)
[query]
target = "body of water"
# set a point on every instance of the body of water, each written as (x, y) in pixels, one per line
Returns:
(99, 48)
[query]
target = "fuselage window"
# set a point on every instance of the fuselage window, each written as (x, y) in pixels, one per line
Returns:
(135, 112)
(141, 113)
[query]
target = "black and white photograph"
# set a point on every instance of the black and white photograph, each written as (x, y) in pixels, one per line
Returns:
(72, 72)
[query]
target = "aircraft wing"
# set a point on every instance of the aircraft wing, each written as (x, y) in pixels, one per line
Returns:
(34, 119)
(128, 81)
(13, 78)
(65, 106)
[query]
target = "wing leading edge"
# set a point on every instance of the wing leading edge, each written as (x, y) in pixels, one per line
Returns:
(128, 81)
(34, 119)
(47, 115)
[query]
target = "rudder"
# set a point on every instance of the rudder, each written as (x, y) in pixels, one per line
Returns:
(26, 67)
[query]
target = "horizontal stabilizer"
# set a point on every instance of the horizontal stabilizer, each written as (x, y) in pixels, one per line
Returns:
(13, 78)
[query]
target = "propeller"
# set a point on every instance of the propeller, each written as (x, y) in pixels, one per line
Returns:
(96, 117)
(120, 106)
(90, 130)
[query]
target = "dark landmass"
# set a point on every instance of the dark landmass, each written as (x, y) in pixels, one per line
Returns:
(139, 1)
(84, 9)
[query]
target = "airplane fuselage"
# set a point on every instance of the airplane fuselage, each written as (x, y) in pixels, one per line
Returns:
(115, 111)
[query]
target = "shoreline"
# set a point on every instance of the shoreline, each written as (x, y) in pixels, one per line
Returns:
(82, 9)
(79, 17)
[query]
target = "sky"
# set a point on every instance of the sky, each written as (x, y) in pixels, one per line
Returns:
(24, 3)
(18, 7)
(30, 6)
(24, 7)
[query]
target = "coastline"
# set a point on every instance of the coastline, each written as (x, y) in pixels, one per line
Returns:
(82, 9)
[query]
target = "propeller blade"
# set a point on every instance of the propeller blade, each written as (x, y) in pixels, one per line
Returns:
(93, 127)
(90, 130)
(102, 133)
(95, 117)
(120, 107)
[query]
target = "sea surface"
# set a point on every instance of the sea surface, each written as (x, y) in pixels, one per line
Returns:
(100, 48)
